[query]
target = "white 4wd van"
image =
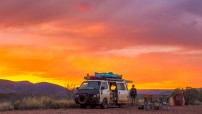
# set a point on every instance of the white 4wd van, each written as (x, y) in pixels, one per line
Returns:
(102, 92)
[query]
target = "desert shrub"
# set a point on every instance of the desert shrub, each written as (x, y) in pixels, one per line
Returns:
(196, 102)
(62, 104)
(43, 103)
(191, 95)
(200, 96)
(28, 103)
(47, 101)
(5, 106)
(59, 104)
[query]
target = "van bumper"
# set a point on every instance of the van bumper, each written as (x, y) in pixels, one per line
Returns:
(89, 101)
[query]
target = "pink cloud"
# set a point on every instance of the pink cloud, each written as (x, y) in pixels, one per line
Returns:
(127, 24)
(85, 7)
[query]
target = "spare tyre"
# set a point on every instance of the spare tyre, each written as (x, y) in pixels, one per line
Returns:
(82, 99)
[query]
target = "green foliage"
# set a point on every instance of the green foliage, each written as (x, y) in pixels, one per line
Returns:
(71, 86)
(177, 90)
(191, 95)
(200, 96)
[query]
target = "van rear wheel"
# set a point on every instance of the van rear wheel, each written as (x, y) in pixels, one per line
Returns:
(120, 105)
(104, 104)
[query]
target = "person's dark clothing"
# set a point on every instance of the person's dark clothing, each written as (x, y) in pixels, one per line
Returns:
(133, 93)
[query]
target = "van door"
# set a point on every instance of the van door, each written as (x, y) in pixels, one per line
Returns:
(104, 91)
(122, 92)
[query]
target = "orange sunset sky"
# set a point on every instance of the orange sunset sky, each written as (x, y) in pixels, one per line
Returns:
(155, 43)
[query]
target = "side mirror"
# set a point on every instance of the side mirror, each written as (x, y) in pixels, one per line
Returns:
(102, 88)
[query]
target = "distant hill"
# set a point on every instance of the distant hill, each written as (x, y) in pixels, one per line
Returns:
(155, 91)
(200, 89)
(25, 88)
(45, 88)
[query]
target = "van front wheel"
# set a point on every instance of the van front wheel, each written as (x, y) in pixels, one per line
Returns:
(104, 104)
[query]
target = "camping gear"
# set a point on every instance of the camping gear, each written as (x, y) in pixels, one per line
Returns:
(148, 102)
(140, 103)
(154, 102)
(178, 99)
(164, 101)
(108, 75)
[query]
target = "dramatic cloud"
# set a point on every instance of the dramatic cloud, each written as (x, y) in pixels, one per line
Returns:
(60, 38)
(131, 22)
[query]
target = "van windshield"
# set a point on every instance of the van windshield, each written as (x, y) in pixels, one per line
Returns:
(90, 85)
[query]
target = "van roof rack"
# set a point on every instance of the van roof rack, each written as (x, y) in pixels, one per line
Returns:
(114, 79)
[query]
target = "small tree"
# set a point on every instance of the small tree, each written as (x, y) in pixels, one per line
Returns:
(200, 96)
(71, 88)
(191, 95)
(177, 90)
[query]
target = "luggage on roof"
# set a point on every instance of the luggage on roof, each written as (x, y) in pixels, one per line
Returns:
(108, 75)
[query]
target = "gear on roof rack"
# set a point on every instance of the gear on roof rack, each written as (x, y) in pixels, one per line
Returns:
(103, 76)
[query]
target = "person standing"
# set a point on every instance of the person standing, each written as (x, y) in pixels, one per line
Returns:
(133, 95)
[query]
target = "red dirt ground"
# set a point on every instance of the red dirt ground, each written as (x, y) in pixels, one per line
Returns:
(127, 110)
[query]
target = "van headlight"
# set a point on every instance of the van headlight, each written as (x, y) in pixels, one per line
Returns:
(98, 95)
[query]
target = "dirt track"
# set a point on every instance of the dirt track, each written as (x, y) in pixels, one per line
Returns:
(173, 110)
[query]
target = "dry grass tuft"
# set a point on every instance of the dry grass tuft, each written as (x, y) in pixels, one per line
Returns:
(5, 106)
(37, 103)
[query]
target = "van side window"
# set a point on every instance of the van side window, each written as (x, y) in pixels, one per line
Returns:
(121, 86)
(105, 85)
